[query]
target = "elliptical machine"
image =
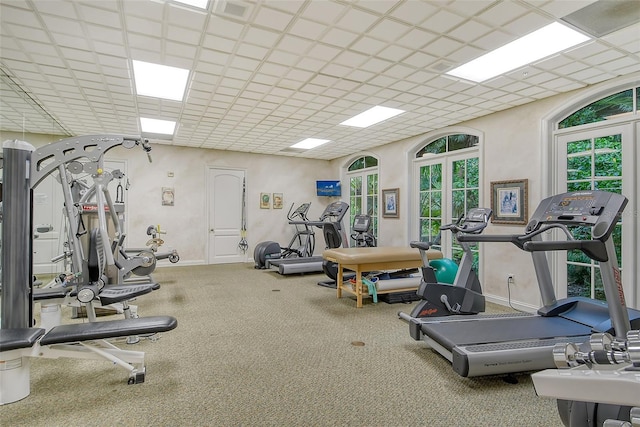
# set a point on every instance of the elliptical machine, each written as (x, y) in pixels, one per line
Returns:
(464, 296)
(362, 238)
(301, 245)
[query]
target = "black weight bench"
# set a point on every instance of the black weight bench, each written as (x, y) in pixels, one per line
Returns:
(109, 329)
(85, 341)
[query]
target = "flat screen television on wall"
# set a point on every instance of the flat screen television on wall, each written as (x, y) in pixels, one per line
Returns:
(328, 188)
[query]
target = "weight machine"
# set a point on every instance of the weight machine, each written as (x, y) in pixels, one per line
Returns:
(23, 168)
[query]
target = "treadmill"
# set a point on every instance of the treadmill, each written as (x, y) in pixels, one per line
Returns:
(482, 345)
(333, 215)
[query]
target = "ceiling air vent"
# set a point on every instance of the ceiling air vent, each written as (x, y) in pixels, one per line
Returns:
(233, 8)
(605, 16)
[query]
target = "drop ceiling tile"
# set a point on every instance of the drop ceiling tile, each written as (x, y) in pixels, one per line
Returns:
(416, 39)
(185, 17)
(502, 13)
(294, 44)
(326, 12)
(527, 24)
(443, 21)
(357, 21)
(272, 18)
(98, 15)
(118, 50)
(307, 29)
(310, 64)
(367, 45)
(224, 27)
(28, 34)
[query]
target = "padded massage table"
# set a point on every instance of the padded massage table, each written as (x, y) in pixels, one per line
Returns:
(379, 258)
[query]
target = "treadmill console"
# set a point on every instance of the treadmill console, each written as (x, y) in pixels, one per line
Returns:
(598, 209)
(335, 210)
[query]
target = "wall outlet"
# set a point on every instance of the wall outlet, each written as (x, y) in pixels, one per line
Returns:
(510, 278)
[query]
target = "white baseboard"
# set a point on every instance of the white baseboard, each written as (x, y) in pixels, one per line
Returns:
(182, 263)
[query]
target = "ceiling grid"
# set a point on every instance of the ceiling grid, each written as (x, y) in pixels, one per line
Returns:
(266, 74)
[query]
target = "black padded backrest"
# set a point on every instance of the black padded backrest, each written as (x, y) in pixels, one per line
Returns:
(95, 259)
(332, 236)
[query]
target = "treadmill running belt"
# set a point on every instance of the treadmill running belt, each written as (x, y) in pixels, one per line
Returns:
(503, 329)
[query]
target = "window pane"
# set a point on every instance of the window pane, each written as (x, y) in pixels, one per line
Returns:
(458, 205)
(438, 146)
(579, 186)
(473, 172)
(356, 186)
(370, 162)
(579, 167)
(579, 146)
(425, 204)
(608, 156)
(436, 177)
(458, 142)
(372, 184)
(425, 175)
(357, 164)
(458, 174)
(618, 103)
(614, 186)
(579, 281)
(473, 199)
(436, 204)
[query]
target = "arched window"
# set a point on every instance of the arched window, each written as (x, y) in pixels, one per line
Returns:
(363, 190)
(613, 106)
(594, 150)
(447, 180)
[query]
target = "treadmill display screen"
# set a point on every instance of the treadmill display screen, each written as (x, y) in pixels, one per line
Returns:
(580, 208)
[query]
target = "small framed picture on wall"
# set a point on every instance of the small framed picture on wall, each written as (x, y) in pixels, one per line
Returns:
(265, 200)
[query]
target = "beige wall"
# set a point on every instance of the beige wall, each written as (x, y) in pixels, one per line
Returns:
(511, 150)
(186, 221)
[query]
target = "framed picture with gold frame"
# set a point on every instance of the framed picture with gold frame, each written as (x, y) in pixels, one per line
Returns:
(509, 201)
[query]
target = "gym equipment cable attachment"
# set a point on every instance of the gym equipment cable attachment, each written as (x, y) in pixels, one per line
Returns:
(243, 245)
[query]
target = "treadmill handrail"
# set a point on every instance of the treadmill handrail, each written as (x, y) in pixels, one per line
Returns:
(594, 249)
(516, 239)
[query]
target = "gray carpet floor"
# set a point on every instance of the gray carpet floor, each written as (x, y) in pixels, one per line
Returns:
(253, 348)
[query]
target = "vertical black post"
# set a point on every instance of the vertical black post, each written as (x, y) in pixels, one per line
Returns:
(17, 237)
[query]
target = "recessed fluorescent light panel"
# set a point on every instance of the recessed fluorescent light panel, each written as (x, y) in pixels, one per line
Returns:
(309, 143)
(160, 81)
(202, 4)
(372, 116)
(544, 42)
(163, 127)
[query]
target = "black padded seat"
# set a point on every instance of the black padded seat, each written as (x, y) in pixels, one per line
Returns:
(112, 294)
(13, 339)
(109, 329)
(41, 294)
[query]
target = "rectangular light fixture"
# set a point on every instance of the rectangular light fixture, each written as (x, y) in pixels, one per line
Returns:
(202, 4)
(540, 44)
(372, 116)
(162, 127)
(160, 81)
(309, 143)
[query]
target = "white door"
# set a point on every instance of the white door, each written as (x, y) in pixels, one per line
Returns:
(598, 159)
(225, 215)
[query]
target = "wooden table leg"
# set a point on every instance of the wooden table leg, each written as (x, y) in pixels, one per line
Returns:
(339, 281)
(358, 288)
